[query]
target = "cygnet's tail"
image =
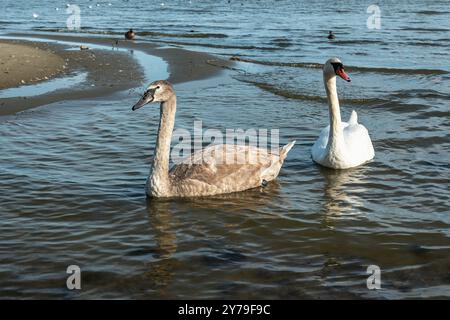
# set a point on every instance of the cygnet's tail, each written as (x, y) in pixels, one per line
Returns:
(285, 149)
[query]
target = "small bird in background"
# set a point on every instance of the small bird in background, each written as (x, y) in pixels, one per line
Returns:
(331, 35)
(130, 35)
(116, 44)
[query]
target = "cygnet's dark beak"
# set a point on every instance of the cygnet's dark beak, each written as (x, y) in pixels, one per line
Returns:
(146, 98)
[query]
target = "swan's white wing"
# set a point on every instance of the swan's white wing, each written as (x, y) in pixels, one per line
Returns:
(358, 146)
(358, 143)
(322, 141)
(319, 147)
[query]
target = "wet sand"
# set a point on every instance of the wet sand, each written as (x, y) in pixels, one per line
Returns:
(22, 64)
(109, 71)
(184, 65)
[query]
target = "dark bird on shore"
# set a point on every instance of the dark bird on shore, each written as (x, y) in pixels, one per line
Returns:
(331, 35)
(129, 35)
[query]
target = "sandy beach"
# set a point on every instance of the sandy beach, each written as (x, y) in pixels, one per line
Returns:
(24, 62)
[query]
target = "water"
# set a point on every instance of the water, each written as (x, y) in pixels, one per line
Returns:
(44, 87)
(73, 172)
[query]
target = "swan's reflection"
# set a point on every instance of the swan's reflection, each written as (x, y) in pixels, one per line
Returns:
(341, 198)
(236, 202)
(162, 222)
(160, 271)
(168, 217)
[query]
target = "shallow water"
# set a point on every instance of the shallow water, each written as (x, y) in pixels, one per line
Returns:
(73, 172)
(44, 87)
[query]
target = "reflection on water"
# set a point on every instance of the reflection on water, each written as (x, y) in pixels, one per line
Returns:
(159, 272)
(73, 179)
(162, 222)
(252, 199)
(341, 198)
(73, 173)
(44, 87)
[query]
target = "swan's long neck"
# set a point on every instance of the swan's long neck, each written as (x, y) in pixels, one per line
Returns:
(160, 166)
(336, 137)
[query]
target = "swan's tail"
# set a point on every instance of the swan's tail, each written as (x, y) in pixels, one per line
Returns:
(285, 149)
(353, 118)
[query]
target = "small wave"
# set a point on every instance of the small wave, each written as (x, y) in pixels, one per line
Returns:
(431, 114)
(90, 30)
(87, 30)
(282, 42)
(415, 142)
(345, 42)
(8, 22)
(279, 64)
(399, 71)
(395, 105)
(425, 29)
(219, 46)
(298, 96)
(191, 34)
(421, 94)
(427, 44)
(313, 65)
(432, 12)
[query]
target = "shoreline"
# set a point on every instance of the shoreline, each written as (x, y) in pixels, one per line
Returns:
(108, 71)
(22, 64)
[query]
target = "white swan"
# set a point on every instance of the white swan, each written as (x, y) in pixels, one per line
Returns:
(211, 171)
(341, 145)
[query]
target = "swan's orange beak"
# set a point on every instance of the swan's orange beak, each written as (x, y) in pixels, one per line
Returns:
(341, 73)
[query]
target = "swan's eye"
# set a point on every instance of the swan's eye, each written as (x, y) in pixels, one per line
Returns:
(158, 87)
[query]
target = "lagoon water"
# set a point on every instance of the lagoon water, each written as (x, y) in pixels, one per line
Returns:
(73, 173)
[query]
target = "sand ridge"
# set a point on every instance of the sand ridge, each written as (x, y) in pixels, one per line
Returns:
(23, 64)
(107, 72)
